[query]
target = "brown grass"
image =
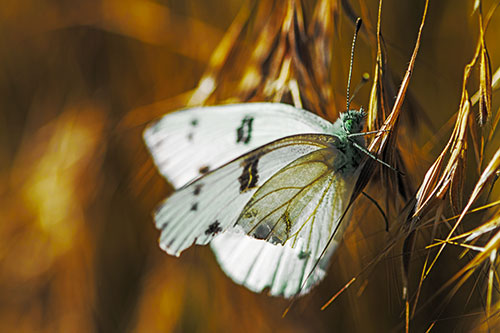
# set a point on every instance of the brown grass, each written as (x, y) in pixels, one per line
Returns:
(79, 81)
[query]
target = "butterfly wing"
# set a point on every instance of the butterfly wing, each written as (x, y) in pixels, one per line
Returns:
(188, 143)
(291, 217)
(257, 264)
(212, 204)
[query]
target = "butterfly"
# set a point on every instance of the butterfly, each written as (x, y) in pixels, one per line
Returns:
(267, 185)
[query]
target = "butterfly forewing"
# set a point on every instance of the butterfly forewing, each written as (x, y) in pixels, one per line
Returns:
(219, 134)
(213, 203)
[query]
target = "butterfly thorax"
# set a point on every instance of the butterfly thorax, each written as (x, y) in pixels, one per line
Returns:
(350, 122)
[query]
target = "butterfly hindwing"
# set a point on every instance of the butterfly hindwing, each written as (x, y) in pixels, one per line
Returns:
(218, 134)
(272, 213)
(212, 204)
(295, 213)
(258, 264)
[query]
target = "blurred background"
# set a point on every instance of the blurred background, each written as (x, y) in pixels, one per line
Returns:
(80, 80)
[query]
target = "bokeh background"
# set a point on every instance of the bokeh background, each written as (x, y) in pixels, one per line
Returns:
(80, 80)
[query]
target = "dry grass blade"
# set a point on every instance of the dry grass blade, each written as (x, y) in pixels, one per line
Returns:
(487, 252)
(491, 273)
(384, 144)
(280, 65)
(456, 163)
(377, 105)
(485, 81)
(446, 175)
(484, 228)
(495, 84)
(338, 293)
(381, 140)
(219, 57)
(436, 183)
(457, 184)
(489, 173)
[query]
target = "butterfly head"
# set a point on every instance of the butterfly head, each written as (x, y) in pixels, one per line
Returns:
(353, 121)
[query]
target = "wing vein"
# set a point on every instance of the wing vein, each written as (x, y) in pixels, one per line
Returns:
(281, 206)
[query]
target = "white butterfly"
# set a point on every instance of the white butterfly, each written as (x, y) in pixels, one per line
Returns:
(265, 184)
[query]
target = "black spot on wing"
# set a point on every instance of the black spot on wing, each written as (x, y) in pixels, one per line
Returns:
(194, 122)
(262, 231)
(163, 225)
(194, 207)
(204, 169)
(304, 255)
(159, 143)
(275, 240)
(197, 189)
(213, 229)
(244, 132)
(171, 243)
(249, 177)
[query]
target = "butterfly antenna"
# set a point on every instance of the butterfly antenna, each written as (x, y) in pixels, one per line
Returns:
(358, 26)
